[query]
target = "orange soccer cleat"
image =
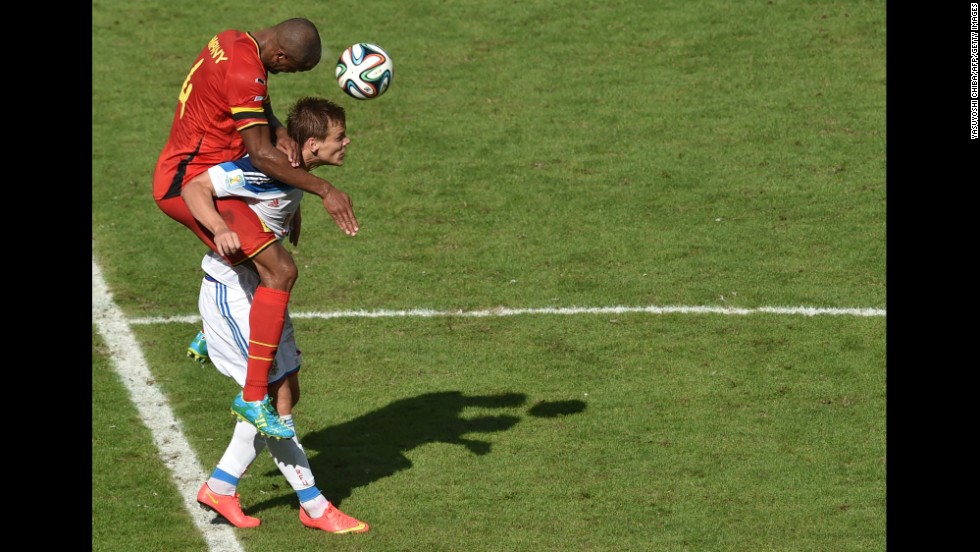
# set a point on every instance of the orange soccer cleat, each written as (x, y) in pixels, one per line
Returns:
(333, 521)
(228, 506)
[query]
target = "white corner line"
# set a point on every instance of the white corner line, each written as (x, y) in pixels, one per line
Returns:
(174, 449)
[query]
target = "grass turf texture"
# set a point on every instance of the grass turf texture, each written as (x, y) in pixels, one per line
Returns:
(538, 154)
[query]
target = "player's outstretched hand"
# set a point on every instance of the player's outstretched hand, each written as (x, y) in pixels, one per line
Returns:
(227, 242)
(339, 205)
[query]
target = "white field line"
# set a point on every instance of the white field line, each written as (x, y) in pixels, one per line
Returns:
(175, 452)
(501, 311)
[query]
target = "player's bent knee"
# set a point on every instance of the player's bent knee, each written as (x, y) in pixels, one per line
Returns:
(276, 268)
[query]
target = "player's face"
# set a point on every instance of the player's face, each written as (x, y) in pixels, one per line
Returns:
(333, 149)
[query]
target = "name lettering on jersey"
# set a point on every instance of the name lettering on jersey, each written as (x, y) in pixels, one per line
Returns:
(217, 52)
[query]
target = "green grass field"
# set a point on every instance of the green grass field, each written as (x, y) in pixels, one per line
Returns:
(532, 155)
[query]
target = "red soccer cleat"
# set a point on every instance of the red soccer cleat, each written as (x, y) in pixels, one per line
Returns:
(228, 506)
(333, 521)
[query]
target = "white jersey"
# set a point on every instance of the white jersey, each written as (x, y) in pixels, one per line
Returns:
(275, 202)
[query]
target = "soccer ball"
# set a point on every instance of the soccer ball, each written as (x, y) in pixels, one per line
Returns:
(364, 71)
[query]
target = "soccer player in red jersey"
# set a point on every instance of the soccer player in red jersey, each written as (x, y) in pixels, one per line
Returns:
(224, 113)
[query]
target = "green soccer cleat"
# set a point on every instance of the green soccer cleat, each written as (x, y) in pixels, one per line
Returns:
(261, 415)
(198, 349)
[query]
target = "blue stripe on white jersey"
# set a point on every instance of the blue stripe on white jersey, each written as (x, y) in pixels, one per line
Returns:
(241, 178)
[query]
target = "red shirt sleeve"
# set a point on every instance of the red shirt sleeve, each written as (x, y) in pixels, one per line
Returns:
(246, 85)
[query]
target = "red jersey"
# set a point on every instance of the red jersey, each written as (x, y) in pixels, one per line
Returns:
(225, 92)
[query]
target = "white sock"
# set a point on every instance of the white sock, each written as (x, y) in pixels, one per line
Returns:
(315, 508)
(287, 420)
(291, 460)
(245, 445)
(221, 487)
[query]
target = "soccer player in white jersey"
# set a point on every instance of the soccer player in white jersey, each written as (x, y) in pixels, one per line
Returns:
(319, 126)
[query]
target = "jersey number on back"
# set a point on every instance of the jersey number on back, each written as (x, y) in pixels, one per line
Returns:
(185, 90)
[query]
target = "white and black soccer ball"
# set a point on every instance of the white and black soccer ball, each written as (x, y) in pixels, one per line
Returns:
(364, 71)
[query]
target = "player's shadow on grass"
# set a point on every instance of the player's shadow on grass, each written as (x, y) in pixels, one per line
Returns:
(373, 446)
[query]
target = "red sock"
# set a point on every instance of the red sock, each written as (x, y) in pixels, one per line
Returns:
(265, 320)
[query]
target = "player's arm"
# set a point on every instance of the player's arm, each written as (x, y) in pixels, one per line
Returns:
(284, 142)
(268, 159)
(199, 194)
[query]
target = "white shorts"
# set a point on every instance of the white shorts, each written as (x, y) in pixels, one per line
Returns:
(224, 315)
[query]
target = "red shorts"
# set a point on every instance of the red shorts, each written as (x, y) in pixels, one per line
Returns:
(240, 218)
